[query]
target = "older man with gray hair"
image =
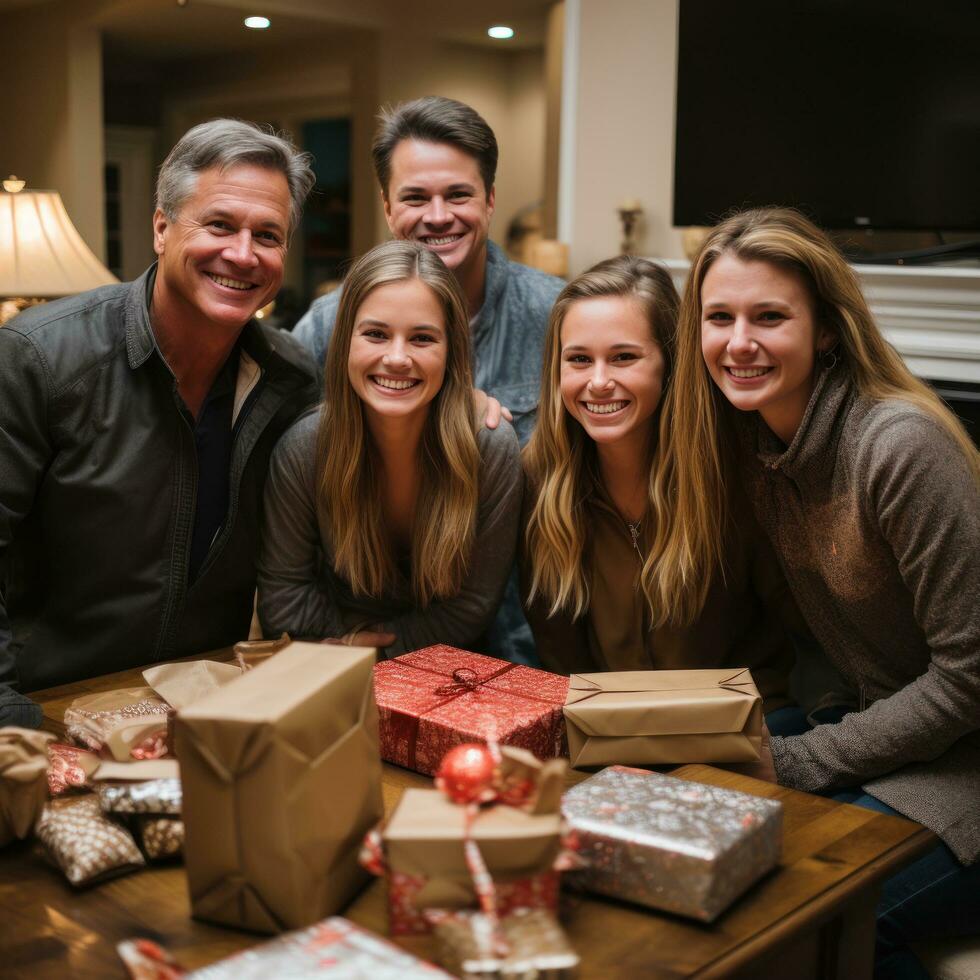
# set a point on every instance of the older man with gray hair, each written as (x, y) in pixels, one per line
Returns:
(136, 422)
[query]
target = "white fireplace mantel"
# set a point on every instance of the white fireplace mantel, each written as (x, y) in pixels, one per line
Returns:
(931, 314)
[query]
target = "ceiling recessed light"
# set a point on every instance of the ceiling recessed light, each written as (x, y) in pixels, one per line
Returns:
(257, 23)
(500, 32)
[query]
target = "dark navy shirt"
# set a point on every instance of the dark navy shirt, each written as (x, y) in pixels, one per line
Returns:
(213, 440)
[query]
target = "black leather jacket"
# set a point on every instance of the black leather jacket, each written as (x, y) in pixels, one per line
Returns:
(96, 444)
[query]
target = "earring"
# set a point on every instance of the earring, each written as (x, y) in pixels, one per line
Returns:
(828, 358)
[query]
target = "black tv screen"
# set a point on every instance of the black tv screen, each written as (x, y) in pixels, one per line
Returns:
(862, 113)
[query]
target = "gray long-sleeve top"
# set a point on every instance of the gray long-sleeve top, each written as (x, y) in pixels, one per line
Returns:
(300, 593)
(875, 516)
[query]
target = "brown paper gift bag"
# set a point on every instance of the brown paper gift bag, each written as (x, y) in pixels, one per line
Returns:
(653, 717)
(181, 684)
(281, 780)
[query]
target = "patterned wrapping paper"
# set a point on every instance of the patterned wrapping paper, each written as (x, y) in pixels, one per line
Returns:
(158, 796)
(536, 946)
(161, 838)
(70, 768)
(334, 947)
(670, 843)
(407, 918)
(90, 719)
(84, 842)
(421, 852)
(434, 699)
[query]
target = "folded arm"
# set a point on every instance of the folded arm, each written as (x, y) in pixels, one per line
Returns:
(927, 506)
(292, 597)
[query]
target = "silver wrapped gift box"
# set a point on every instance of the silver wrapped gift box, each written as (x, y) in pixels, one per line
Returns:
(670, 843)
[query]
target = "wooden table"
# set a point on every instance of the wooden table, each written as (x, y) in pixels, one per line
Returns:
(813, 917)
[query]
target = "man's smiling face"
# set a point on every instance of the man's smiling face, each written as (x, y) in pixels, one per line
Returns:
(221, 258)
(436, 196)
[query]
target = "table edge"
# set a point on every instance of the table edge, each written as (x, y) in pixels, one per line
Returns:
(833, 898)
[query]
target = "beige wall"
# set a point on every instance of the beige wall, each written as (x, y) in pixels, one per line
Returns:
(623, 125)
(522, 144)
(51, 114)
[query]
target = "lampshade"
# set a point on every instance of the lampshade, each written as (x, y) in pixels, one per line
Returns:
(41, 253)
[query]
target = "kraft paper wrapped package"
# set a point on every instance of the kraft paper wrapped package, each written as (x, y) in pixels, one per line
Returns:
(654, 717)
(670, 843)
(251, 653)
(426, 864)
(434, 699)
(23, 782)
(534, 945)
(281, 779)
(181, 684)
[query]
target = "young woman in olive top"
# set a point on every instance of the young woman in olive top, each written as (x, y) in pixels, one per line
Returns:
(598, 497)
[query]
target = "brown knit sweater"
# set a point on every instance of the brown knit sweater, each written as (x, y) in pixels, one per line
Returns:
(744, 623)
(875, 516)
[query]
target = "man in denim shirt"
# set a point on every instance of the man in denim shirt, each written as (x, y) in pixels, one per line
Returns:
(436, 160)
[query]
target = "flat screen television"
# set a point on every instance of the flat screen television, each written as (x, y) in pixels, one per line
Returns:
(862, 113)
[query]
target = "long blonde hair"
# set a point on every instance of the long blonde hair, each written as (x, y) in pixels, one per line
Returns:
(348, 464)
(561, 460)
(695, 463)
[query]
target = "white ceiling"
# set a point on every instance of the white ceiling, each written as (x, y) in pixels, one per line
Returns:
(163, 30)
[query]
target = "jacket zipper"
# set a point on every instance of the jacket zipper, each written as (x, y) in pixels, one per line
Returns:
(634, 529)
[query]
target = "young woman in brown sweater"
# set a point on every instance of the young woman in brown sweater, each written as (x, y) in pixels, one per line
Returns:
(597, 499)
(869, 490)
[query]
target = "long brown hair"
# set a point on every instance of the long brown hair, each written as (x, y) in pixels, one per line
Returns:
(348, 464)
(694, 461)
(561, 460)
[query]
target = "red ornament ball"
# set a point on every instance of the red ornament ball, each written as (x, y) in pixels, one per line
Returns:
(468, 774)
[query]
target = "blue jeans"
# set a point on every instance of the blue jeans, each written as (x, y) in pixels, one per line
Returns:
(509, 637)
(934, 897)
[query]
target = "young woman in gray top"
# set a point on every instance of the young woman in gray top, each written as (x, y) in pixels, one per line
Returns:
(868, 488)
(391, 516)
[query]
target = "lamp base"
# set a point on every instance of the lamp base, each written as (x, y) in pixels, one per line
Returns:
(9, 308)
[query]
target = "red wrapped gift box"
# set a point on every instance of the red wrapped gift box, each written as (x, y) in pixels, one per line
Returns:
(434, 699)
(406, 916)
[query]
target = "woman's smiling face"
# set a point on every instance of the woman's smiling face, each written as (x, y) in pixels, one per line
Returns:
(397, 359)
(612, 370)
(760, 338)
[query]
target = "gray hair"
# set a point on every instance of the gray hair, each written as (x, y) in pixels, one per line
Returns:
(224, 143)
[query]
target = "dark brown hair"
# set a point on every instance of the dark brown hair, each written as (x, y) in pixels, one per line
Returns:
(434, 119)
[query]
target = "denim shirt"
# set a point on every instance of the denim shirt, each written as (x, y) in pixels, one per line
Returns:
(508, 334)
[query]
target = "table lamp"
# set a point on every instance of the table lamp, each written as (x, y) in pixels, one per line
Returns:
(41, 253)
